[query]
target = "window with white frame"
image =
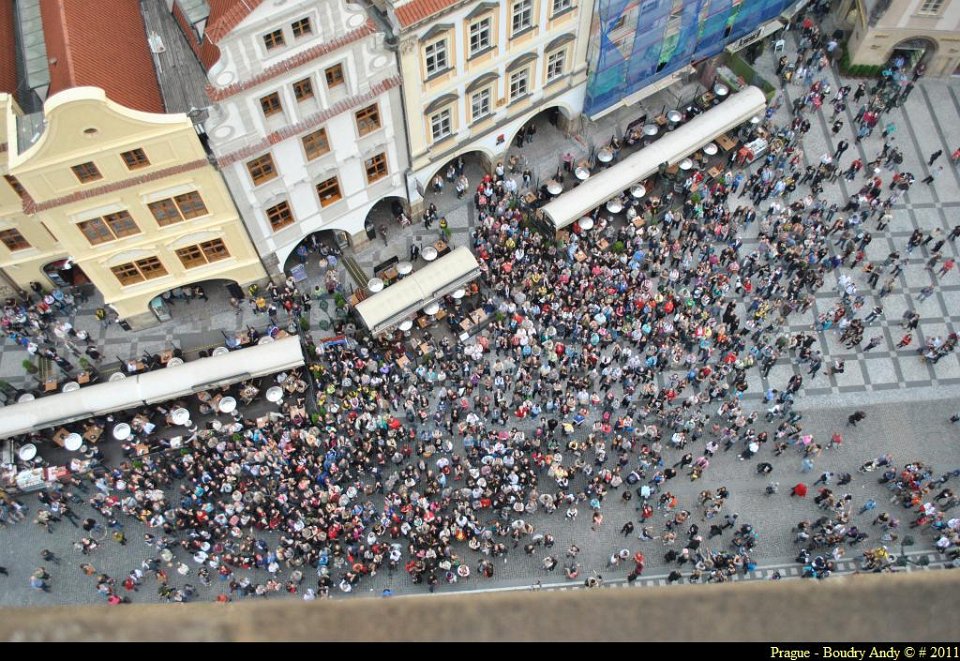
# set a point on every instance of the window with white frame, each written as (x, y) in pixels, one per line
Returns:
(561, 5)
(480, 36)
(519, 84)
(440, 124)
(480, 105)
(436, 56)
(522, 15)
(555, 64)
(931, 7)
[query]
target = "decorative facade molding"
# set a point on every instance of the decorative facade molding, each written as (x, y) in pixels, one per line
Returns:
(30, 206)
(309, 123)
(291, 63)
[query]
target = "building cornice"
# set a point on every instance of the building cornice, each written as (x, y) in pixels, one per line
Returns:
(30, 206)
(291, 63)
(309, 123)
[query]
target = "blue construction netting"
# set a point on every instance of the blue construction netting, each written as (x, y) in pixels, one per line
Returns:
(637, 42)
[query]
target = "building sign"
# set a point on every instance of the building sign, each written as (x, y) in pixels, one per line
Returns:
(764, 30)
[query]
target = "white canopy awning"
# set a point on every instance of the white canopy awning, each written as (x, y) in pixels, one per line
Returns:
(402, 299)
(671, 148)
(151, 387)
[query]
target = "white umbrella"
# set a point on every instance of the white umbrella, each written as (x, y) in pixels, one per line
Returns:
(274, 394)
(117, 376)
(404, 268)
(405, 325)
(555, 187)
(586, 223)
(175, 362)
(638, 191)
(228, 404)
(375, 285)
(651, 130)
(432, 308)
(180, 416)
(25, 397)
(266, 339)
(604, 155)
(73, 442)
(755, 119)
(614, 206)
(720, 89)
(219, 351)
(582, 174)
(459, 293)
(70, 386)
(711, 149)
(27, 452)
(686, 164)
(429, 253)
(122, 431)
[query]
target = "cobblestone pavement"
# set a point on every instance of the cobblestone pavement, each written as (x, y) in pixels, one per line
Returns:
(908, 402)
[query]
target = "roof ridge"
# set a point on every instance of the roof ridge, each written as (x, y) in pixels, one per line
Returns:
(67, 50)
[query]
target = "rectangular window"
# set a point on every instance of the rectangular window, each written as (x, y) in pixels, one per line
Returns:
(334, 75)
(165, 212)
(480, 36)
(280, 216)
(376, 168)
(271, 104)
(436, 57)
(14, 240)
(273, 39)
(440, 125)
(315, 144)
(138, 271)
(109, 228)
(86, 172)
(518, 84)
(191, 205)
(561, 5)
(329, 191)
(303, 89)
(930, 7)
(522, 15)
(555, 65)
(368, 119)
(204, 253)
(480, 105)
(301, 28)
(261, 169)
(135, 158)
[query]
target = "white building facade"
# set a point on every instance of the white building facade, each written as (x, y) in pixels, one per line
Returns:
(306, 120)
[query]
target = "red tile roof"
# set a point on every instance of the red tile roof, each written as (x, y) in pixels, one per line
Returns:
(8, 59)
(417, 10)
(207, 52)
(226, 15)
(101, 43)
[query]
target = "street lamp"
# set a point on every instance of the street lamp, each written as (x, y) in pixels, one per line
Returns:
(903, 560)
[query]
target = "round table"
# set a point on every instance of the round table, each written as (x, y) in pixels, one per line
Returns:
(274, 394)
(73, 442)
(604, 155)
(27, 452)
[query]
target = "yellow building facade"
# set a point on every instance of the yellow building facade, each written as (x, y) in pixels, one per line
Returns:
(129, 197)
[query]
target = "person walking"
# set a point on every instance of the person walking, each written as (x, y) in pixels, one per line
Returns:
(905, 341)
(934, 173)
(934, 156)
(856, 417)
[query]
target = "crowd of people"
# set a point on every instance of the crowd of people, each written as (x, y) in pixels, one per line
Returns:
(615, 362)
